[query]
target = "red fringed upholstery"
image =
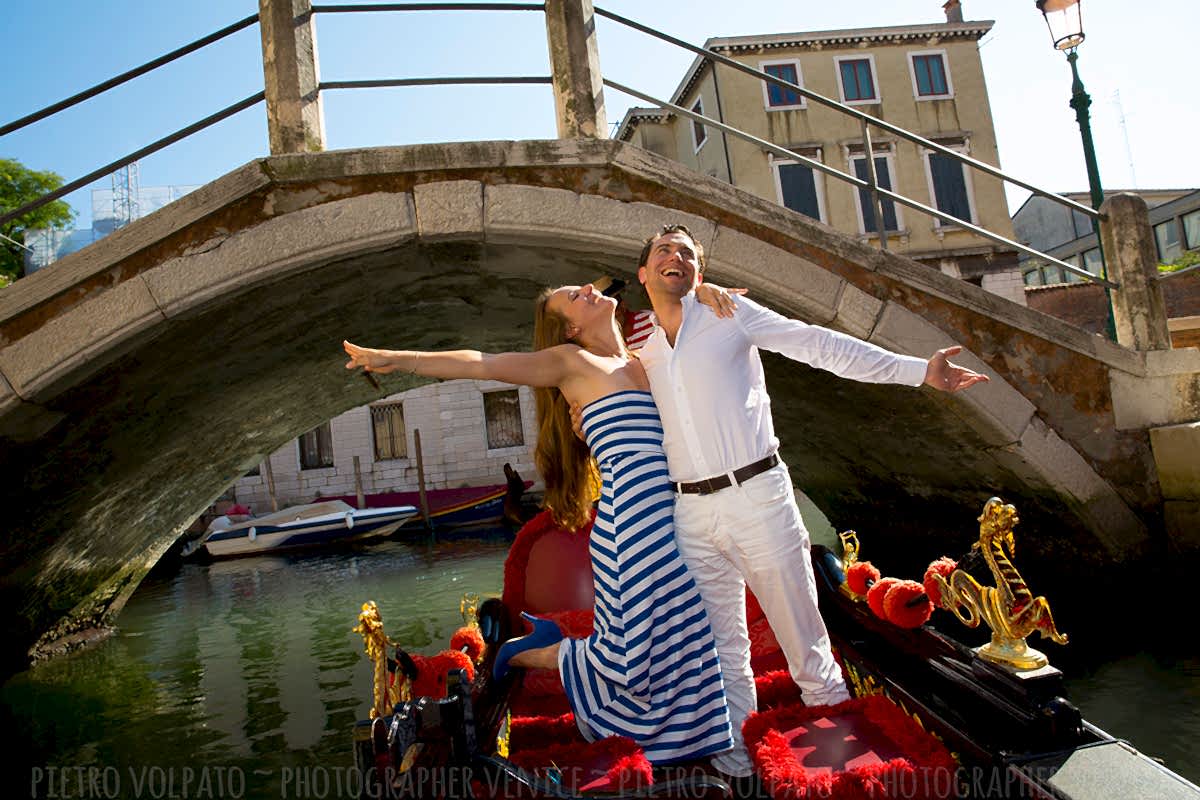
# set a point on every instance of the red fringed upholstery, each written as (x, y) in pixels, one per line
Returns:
(775, 688)
(863, 748)
(469, 638)
(431, 672)
(610, 765)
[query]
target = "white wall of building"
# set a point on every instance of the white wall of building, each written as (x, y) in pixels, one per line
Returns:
(450, 417)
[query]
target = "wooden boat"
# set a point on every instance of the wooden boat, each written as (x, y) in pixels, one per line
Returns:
(320, 524)
(466, 507)
(931, 717)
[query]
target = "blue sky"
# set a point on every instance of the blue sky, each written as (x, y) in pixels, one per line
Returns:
(59, 48)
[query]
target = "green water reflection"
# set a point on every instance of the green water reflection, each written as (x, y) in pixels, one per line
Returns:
(247, 672)
(246, 668)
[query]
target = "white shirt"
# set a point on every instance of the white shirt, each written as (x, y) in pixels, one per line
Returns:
(711, 392)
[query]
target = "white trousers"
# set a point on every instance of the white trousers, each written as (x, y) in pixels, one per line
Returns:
(753, 535)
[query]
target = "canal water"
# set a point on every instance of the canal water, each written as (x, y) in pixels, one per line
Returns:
(244, 679)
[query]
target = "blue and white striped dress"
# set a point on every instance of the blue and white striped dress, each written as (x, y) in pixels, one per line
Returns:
(649, 670)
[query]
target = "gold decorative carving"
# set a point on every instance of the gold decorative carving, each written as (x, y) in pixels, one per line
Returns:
(850, 549)
(469, 608)
(370, 625)
(1009, 608)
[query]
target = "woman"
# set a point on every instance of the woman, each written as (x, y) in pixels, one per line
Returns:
(649, 670)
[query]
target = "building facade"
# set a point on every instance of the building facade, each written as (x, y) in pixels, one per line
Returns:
(1067, 235)
(927, 79)
(468, 429)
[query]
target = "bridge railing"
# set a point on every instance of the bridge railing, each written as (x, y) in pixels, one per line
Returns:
(293, 95)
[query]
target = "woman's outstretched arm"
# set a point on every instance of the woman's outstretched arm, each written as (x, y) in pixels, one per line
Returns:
(547, 367)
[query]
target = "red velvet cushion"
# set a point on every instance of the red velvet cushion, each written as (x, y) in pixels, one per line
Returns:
(611, 765)
(558, 574)
(866, 747)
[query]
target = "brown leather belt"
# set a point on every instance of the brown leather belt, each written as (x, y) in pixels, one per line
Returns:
(740, 476)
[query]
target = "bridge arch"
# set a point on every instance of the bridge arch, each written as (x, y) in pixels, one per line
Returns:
(145, 373)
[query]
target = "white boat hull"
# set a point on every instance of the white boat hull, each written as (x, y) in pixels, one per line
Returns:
(317, 525)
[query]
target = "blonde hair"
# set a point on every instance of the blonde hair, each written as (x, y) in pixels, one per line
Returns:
(565, 463)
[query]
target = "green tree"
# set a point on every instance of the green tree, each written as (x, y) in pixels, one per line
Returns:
(20, 185)
(1190, 258)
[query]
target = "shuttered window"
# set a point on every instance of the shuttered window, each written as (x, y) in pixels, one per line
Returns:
(387, 429)
(502, 417)
(316, 448)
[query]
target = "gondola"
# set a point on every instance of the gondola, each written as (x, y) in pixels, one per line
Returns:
(930, 717)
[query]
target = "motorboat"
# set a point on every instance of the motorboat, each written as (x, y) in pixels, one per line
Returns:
(321, 524)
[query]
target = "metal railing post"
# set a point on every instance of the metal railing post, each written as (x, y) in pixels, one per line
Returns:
(291, 76)
(575, 69)
(869, 151)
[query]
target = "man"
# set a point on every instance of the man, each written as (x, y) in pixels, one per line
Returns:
(736, 519)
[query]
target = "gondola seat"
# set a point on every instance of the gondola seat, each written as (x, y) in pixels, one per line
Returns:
(864, 747)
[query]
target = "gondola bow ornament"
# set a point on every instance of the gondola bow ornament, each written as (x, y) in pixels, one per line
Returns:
(1009, 608)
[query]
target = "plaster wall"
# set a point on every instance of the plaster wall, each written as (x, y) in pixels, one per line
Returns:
(454, 447)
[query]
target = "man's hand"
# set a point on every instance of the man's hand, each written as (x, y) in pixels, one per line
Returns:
(718, 298)
(577, 421)
(942, 374)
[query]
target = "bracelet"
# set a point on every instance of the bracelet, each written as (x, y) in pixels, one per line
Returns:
(416, 360)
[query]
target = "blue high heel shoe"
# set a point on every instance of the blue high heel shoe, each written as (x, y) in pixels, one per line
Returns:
(545, 633)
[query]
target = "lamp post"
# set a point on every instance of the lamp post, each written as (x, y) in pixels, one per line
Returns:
(1064, 18)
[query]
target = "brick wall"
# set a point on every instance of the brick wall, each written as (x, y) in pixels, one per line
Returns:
(449, 416)
(1085, 304)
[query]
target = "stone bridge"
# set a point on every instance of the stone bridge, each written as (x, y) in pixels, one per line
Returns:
(144, 374)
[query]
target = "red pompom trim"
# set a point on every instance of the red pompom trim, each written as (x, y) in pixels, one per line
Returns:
(860, 576)
(876, 594)
(896, 606)
(943, 566)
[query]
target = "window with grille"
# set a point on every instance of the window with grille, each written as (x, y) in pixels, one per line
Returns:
(316, 448)
(502, 418)
(387, 427)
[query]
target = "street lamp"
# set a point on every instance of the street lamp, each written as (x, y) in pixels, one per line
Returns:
(1065, 21)
(1064, 18)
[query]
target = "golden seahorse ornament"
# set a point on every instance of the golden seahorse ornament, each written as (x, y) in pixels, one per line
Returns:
(386, 693)
(1009, 608)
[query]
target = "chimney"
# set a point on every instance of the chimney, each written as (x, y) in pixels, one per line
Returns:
(953, 10)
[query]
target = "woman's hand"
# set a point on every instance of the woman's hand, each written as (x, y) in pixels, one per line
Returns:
(718, 298)
(370, 359)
